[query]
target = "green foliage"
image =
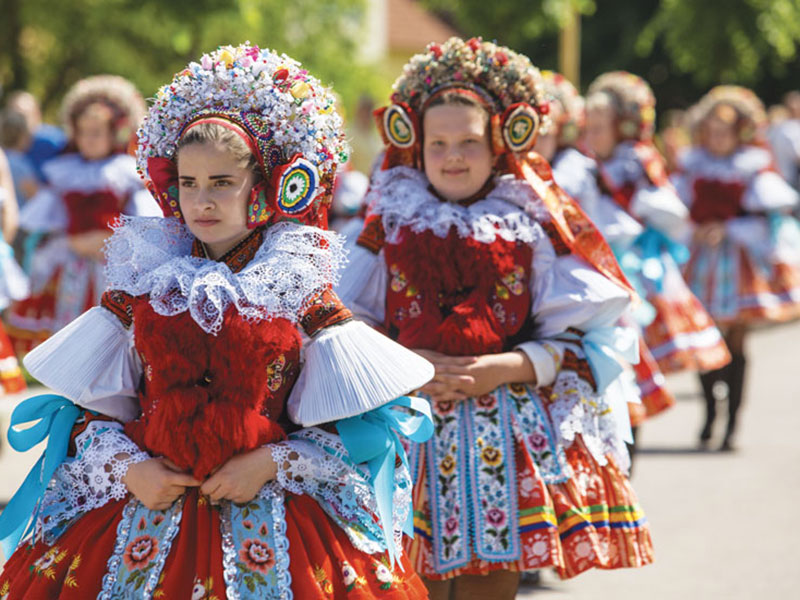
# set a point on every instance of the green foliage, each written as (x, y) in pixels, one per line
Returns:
(50, 45)
(718, 41)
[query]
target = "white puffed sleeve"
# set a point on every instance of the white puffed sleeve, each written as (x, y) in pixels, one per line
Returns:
(351, 369)
(91, 361)
(45, 212)
(769, 191)
(566, 293)
(362, 287)
(661, 208)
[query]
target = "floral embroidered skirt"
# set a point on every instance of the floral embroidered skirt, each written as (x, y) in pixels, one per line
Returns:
(495, 491)
(683, 335)
(656, 398)
(277, 546)
(739, 282)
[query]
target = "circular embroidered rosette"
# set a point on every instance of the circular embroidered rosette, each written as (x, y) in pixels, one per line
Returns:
(287, 111)
(507, 77)
(631, 98)
(116, 93)
(751, 116)
(572, 118)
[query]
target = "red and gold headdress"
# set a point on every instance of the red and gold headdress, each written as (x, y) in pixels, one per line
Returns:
(632, 100)
(283, 114)
(569, 124)
(117, 94)
(750, 117)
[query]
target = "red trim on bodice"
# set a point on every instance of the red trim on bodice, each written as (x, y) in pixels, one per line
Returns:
(92, 211)
(455, 295)
(716, 200)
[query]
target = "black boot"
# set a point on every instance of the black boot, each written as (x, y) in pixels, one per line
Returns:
(735, 393)
(708, 381)
(632, 449)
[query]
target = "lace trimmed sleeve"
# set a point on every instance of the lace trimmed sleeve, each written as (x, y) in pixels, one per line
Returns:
(315, 463)
(90, 479)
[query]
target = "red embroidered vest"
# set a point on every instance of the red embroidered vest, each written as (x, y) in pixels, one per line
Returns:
(716, 200)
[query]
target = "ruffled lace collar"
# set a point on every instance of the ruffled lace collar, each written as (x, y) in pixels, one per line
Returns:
(240, 255)
(289, 265)
(510, 210)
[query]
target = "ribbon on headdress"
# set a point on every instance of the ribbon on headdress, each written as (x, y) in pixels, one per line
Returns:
(572, 225)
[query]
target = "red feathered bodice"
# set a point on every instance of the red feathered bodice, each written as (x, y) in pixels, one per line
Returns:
(93, 210)
(205, 398)
(457, 295)
(716, 200)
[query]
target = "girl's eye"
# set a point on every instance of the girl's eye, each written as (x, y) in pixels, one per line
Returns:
(222, 183)
(185, 183)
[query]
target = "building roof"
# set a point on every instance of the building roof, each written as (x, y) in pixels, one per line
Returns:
(412, 28)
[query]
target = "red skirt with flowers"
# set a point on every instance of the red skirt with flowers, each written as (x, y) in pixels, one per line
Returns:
(591, 520)
(322, 561)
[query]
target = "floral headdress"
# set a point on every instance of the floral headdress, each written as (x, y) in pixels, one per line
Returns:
(284, 114)
(751, 118)
(505, 83)
(116, 93)
(569, 124)
(632, 100)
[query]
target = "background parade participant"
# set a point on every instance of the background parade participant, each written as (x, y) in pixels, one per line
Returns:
(87, 189)
(745, 252)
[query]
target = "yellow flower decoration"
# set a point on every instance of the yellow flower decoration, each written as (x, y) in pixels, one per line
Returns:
(492, 456)
(226, 57)
(300, 90)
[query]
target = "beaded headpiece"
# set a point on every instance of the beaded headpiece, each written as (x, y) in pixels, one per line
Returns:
(632, 100)
(119, 95)
(284, 114)
(505, 83)
(569, 124)
(750, 116)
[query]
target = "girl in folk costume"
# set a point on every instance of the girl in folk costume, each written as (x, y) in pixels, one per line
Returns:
(87, 189)
(745, 263)
(13, 283)
(578, 175)
(471, 255)
(187, 475)
(619, 128)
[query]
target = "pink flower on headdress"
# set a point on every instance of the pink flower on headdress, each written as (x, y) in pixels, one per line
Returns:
(253, 52)
(206, 63)
(246, 62)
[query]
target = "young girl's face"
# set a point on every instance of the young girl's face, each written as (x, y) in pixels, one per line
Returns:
(94, 137)
(720, 137)
(601, 131)
(458, 157)
(214, 189)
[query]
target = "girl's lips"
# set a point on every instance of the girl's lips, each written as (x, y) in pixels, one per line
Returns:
(206, 222)
(454, 171)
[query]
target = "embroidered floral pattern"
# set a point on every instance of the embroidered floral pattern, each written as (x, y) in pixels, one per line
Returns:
(44, 566)
(324, 583)
(351, 579)
(203, 590)
(275, 373)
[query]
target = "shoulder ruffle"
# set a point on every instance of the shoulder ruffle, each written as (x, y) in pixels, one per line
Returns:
(510, 211)
(151, 256)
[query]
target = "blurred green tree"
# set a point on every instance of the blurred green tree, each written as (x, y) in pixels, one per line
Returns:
(46, 46)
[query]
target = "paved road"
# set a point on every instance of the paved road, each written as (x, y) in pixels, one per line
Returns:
(724, 525)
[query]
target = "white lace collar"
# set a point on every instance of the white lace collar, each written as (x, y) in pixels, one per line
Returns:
(152, 255)
(402, 197)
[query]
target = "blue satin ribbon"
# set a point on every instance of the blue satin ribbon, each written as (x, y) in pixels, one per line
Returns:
(604, 347)
(652, 244)
(372, 438)
(55, 415)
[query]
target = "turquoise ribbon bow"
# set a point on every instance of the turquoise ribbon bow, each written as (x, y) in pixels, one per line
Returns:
(372, 438)
(604, 347)
(652, 243)
(55, 415)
